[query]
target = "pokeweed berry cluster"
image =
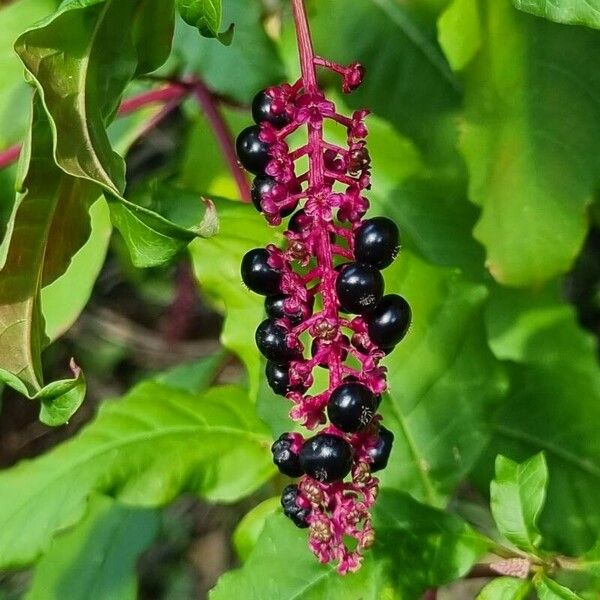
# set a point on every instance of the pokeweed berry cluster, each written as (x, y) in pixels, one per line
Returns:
(329, 270)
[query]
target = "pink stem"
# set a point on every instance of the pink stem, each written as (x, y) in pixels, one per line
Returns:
(169, 93)
(223, 135)
(316, 182)
(9, 156)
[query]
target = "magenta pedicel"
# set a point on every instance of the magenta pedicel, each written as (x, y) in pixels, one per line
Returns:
(325, 303)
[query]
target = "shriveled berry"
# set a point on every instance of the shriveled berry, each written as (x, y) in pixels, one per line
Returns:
(275, 308)
(377, 242)
(257, 274)
(289, 498)
(389, 321)
(262, 111)
(326, 457)
(271, 340)
(351, 407)
(380, 453)
(317, 344)
(287, 461)
(359, 287)
(252, 152)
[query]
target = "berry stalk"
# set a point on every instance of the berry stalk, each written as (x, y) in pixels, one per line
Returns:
(329, 267)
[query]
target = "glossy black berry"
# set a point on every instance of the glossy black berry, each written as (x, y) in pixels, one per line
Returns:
(287, 461)
(263, 185)
(359, 287)
(381, 452)
(389, 321)
(257, 274)
(351, 407)
(262, 111)
(326, 457)
(275, 308)
(299, 221)
(272, 343)
(291, 509)
(252, 152)
(278, 378)
(377, 242)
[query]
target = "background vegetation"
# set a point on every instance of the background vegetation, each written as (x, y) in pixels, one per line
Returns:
(485, 140)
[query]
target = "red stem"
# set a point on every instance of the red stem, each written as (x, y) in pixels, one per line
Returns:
(223, 135)
(169, 93)
(9, 156)
(316, 182)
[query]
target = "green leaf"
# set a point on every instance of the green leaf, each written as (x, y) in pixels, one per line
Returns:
(433, 547)
(250, 63)
(206, 15)
(409, 81)
(548, 589)
(58, 400)
(248, 530)
(505, 588)
(572, 12)
(281, 566)
(67, 56)
(443, 381)
(532, 177)
(459, 32)
(517, 494)
(216, 265)
(193, 377)
(145, 450)
(553, 406)
(96, 559)
(36, 253)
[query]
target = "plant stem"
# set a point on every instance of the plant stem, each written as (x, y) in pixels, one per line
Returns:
(316, 184)
(223, 135)
(9, 156)
(173, 91)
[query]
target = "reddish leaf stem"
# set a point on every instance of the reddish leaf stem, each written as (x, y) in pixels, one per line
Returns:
(9, 156)
(223, 134)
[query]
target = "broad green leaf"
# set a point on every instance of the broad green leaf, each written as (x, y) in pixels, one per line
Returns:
(193, 377)
(206, 15)
(248, 530)
(531, 174)
(81, 84)
(432, 547)
(408, 80)
(96, 559)
(443, 381)
(505, 588)
(37, 252)
(145, 449)
(216, 265)
(249, 64)
(518, 492)
(14, 92)
(459, 32)
(573, 12)
(553, 406)
(282, 567)
(548, 589)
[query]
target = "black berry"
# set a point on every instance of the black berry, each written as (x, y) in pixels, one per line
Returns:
(381, 452)
(257, 274)
(262, 110)
(326, 457)
(389, 321)
(359, 287)
(289, 498)
(274, 307)
(252, 152)
(278, 378)
(351, 407)
(271, 340)
(377, 242)
(299, 221)
(287, 461)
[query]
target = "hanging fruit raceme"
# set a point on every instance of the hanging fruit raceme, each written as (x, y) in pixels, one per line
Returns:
(325, 304)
